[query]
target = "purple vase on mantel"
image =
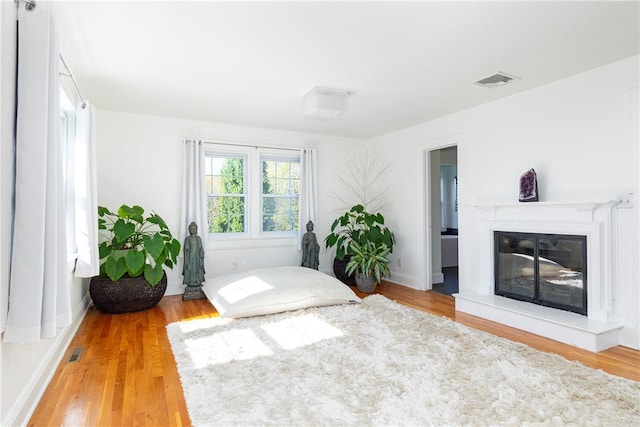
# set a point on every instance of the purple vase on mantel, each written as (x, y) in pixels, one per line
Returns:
(529, 186)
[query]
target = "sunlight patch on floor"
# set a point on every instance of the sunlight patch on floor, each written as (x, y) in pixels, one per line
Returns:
(300, 331)
(227, 346)
(211, 346)
(198, 324)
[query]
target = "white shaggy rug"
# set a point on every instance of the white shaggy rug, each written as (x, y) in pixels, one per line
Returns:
(383, 364)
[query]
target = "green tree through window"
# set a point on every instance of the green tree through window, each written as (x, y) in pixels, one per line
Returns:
(226, 201)
(268, 205)
(280, 193)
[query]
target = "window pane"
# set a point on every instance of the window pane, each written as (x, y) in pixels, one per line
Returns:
(280, 190)
(281, 177)
(226, 214)
(295, 187)
(279, 213)
(224, 175)
(280, 185)
(224, 179)
(295, 169)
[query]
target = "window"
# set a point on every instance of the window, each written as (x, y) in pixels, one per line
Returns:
(226, 199)
(280, 193)
(252, 192)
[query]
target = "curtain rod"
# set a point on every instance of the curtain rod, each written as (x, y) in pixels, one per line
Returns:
(251, 145)
(75, 85)
(30, 5)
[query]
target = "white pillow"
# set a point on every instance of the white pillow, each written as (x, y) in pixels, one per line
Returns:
(273, 290)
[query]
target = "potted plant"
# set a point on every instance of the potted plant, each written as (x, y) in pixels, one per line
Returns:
(133, 250)
(356, 226)
(369, 262)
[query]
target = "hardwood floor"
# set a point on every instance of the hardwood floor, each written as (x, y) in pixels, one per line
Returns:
(126, 374)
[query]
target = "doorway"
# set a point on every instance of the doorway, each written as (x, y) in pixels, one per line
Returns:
(444, 219)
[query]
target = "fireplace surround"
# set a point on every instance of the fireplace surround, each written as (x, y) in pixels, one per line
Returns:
(597, 329)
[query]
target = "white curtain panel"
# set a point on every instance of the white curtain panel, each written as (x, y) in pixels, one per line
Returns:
(308, 201)
(194, 192)
(39, 299)
(86, 194)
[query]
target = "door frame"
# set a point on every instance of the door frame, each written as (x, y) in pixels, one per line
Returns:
(426, 268)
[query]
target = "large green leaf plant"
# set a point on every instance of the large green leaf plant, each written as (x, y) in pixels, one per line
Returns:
(360, 227)
(135, 245)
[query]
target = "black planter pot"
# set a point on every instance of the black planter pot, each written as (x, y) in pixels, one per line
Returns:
(127, 295)
(339, 269)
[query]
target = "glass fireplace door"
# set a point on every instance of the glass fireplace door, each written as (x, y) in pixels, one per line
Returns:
(545, 269)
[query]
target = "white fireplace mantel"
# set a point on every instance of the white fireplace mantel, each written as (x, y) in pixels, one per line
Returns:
(552, 203)
(552, 207)
(593, 219)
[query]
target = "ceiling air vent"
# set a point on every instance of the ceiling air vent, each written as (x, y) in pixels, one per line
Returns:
(498, 79)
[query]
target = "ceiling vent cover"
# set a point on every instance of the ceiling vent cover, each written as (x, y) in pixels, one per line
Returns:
(498, 79)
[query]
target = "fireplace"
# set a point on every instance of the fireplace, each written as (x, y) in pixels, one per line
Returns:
(576, 236)
(544, 269)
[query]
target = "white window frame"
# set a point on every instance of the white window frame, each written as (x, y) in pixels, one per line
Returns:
(284, 158)
(252, 191)
(245, 194)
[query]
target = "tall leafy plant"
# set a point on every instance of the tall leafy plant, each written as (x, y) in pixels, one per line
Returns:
(135, 244)
(360, 227)
(368, 260)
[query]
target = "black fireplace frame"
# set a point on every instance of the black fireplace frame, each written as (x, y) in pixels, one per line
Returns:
(536, 298)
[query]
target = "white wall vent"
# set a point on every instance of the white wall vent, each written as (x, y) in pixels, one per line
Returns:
(498, 79)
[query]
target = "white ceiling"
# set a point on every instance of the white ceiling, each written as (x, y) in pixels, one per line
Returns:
(405, 62)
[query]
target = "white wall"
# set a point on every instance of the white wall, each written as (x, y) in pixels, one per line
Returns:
(140, 162)
(578, 135)
(24, 369)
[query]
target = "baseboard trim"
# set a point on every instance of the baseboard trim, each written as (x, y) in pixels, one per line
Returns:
(407, 280)
(437, 278)
(26, 404)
